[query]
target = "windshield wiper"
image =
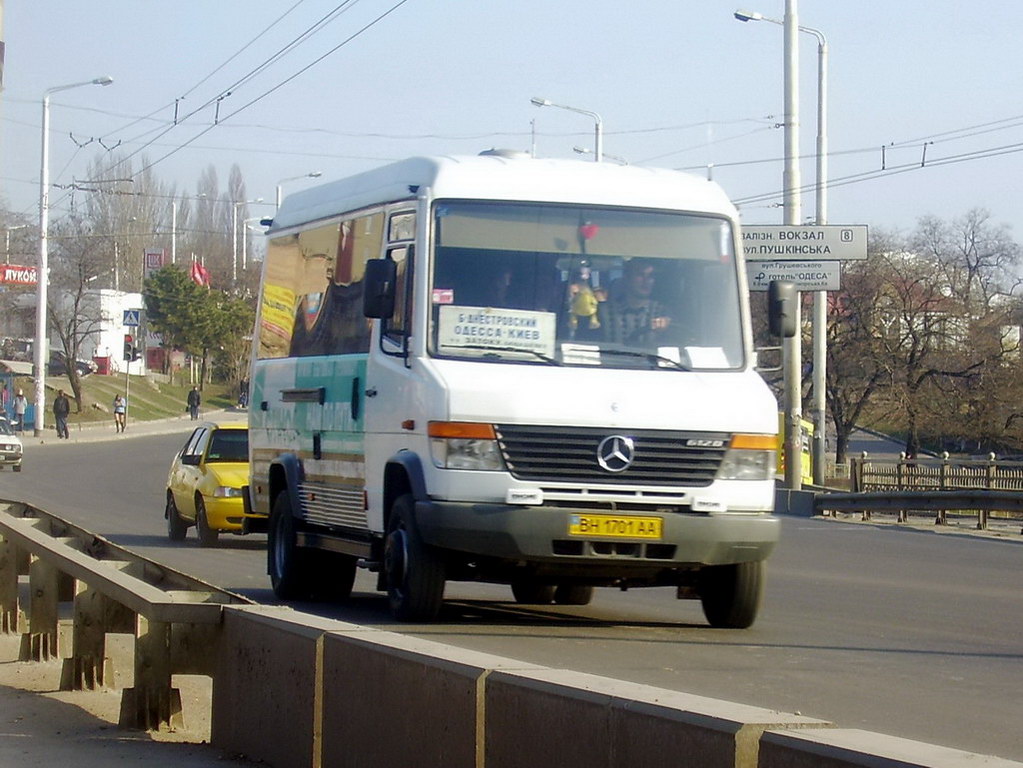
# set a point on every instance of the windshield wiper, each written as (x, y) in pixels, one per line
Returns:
(652, 357)
(495, 350)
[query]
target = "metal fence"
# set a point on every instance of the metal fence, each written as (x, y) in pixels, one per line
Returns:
(986, 489)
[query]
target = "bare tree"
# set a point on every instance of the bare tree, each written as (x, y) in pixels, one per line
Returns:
(73, 308)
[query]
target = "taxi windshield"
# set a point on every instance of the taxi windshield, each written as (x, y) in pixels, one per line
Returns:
(550, 284)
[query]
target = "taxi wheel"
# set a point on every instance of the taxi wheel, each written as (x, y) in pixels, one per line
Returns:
(17, 467)
(208, 537)
(530, 592)
(414, 570)
(176, 527)
(573, 594)
(731, 594)
(290, 567)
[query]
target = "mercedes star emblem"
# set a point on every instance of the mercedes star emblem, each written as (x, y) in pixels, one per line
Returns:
(616, 453)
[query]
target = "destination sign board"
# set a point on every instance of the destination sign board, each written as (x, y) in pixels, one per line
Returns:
(806, 275)
(827, 242)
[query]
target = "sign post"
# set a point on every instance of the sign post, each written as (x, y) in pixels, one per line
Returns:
(810, 257)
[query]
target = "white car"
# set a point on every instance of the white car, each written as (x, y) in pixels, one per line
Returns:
(10, 446)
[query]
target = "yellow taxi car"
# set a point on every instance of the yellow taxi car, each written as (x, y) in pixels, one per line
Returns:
(204, 485)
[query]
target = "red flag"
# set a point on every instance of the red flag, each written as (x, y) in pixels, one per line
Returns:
(199, 274)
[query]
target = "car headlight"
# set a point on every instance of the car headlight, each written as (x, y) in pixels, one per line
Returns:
(464, 445)
(224, 492)
(749, 457)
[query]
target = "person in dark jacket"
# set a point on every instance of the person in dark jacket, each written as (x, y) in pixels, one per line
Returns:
(194, 400)
(61, 410)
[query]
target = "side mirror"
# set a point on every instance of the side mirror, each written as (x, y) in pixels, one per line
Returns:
(191, 459)
(781, 308)
(378, 288)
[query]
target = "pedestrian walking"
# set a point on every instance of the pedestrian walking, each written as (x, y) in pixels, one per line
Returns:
(61, 410)
(194, 401)
(120, 411)
(20, 406)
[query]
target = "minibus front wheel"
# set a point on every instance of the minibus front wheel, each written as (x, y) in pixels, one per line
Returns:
(414, 570)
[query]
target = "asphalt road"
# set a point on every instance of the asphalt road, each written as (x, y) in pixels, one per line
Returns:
(895, 630)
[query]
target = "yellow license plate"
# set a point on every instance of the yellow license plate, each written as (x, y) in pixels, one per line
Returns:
(615, 526)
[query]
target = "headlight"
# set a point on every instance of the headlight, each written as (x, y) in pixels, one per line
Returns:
(223, 492)
(749, 457)
(463, 445)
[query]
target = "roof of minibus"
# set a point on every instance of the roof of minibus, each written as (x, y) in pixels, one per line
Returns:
(499, 177)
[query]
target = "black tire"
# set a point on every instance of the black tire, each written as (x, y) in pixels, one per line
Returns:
(336, 575)
(208, 537)
(17, 467)
(291, 568)
(530, 592)
(573, 594)
(731, 594)
(176, 527)
(414, 570)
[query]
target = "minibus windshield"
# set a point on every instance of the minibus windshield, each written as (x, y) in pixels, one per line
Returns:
(584, 285)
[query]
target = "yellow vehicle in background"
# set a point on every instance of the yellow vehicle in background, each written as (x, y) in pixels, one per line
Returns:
(205, 481)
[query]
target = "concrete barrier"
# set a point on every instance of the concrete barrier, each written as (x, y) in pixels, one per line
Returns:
(397, 700)
(559, 719)
(267, 685)
(300, 691)
(852, 748)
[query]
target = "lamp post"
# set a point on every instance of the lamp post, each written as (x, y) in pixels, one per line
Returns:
(234, 236)
(310, 175)
(598, 129)
(7, 241)
(792, 347)
(41, 344)
(820, 298)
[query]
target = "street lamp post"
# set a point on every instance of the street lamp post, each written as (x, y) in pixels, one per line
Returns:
(820, 298)
(234, 236)
(310, 175)
(598, 129)
(42, 278)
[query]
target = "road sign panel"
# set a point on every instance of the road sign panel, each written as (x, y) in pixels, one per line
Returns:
(828, 242)
(132, 316)
(807, 275)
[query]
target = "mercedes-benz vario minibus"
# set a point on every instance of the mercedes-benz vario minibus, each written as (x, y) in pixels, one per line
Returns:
(514, 370)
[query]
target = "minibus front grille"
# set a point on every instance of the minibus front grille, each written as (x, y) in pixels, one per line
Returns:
(570, 454)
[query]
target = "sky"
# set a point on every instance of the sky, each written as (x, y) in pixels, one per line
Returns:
(925, 112)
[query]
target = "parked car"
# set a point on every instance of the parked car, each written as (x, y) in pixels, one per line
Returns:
(58, 365)
(204, 485)
(11, 449)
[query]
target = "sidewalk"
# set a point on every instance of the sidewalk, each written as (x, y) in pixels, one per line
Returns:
(43, 726)
(104, 430)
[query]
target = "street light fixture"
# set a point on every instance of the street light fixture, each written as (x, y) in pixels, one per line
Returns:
(310, 175)
(598, 131)
(41, 343)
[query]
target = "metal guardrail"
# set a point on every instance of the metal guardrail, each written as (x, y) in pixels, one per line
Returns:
(942, 502)
(175, 618)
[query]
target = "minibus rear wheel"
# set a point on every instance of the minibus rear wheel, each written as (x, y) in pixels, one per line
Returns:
(414, 569)
(290, 567)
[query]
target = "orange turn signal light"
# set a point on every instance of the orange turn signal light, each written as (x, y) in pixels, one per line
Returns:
(755, 442)
(465, 430)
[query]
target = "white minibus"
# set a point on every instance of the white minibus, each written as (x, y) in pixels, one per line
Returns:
(498, 368)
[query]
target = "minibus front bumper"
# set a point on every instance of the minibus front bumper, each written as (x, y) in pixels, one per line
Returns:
(549, 534)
